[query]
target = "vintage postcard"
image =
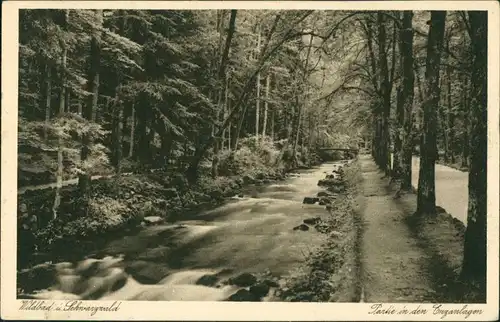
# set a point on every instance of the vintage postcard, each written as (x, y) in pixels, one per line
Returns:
(250, 160)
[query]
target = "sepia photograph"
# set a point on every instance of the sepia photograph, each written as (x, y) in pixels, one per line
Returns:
(230, 154)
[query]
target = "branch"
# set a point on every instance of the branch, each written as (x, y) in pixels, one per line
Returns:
(334, 29)
(265, 56)
(396, 20)
(371, 52)
(466, 23)
(347, 88)
(315, 65)
(222, 66)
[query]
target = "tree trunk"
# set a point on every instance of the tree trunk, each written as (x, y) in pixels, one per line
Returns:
(398, 136)
(447, 108)
(132, 132)
(386, 94)
(474, 264)
(257, 102)
(117, 135)
(305, 74)
(400, 114)
(407, 96)
(272, 124)
(419, 118)
(297, 133)
(90, 110)
(166, 144)
(426, 199)
(443, 124)
(266, 104)
(225, 113)
(450, 120)
(67, 101)
(239, 126)
(217, 140)
(229, 127)
(222, 81)
(466, 116)
(62, 105)
(48, 96)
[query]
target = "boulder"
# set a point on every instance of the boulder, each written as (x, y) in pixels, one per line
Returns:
(310, 200)
(244, 279)
(260, 290)
(271, 283)
(336, 189)
(302, 227)
(324, 201)
(207, 280)
(322, 227)
(324, 194)
(248, 179)
(330, 182)
(153, 220)
(338, 171)
(243, 296)
(37, 278)
(312, 221)
(334, 176)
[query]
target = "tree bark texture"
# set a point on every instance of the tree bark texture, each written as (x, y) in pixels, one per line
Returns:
(426, 199)
(407, 97)
(385, 92)
(90, 110)
(62, 105)
(474, 264)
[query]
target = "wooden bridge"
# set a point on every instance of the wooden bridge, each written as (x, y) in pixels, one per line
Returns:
(356, 151)
(348, 152)
(339, 149)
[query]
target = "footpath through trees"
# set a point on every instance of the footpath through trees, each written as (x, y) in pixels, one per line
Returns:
(406, 257)
(390, 255)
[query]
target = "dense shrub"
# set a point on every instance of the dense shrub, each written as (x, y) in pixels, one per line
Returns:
(251, 156)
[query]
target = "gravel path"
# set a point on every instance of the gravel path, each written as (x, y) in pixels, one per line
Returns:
(391, 258)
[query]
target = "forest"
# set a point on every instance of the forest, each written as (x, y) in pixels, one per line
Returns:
(198, 102)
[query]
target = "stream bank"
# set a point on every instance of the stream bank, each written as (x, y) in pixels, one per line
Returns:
(123, 205)
(239, 251)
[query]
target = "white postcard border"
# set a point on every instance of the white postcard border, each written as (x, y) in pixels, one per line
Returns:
(225, 311)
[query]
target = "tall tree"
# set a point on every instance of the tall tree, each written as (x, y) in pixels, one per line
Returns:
(132, 132)
(62, 104)
(221, 76)
(474, 264)
(385, 92)
(407, 98)
(266, 105)
(90, 110)
(257, 99)
(426, 199)
(48, 96)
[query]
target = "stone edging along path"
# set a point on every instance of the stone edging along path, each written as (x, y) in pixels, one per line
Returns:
(331, 273)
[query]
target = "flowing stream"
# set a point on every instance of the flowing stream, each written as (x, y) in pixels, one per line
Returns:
(194, 259)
